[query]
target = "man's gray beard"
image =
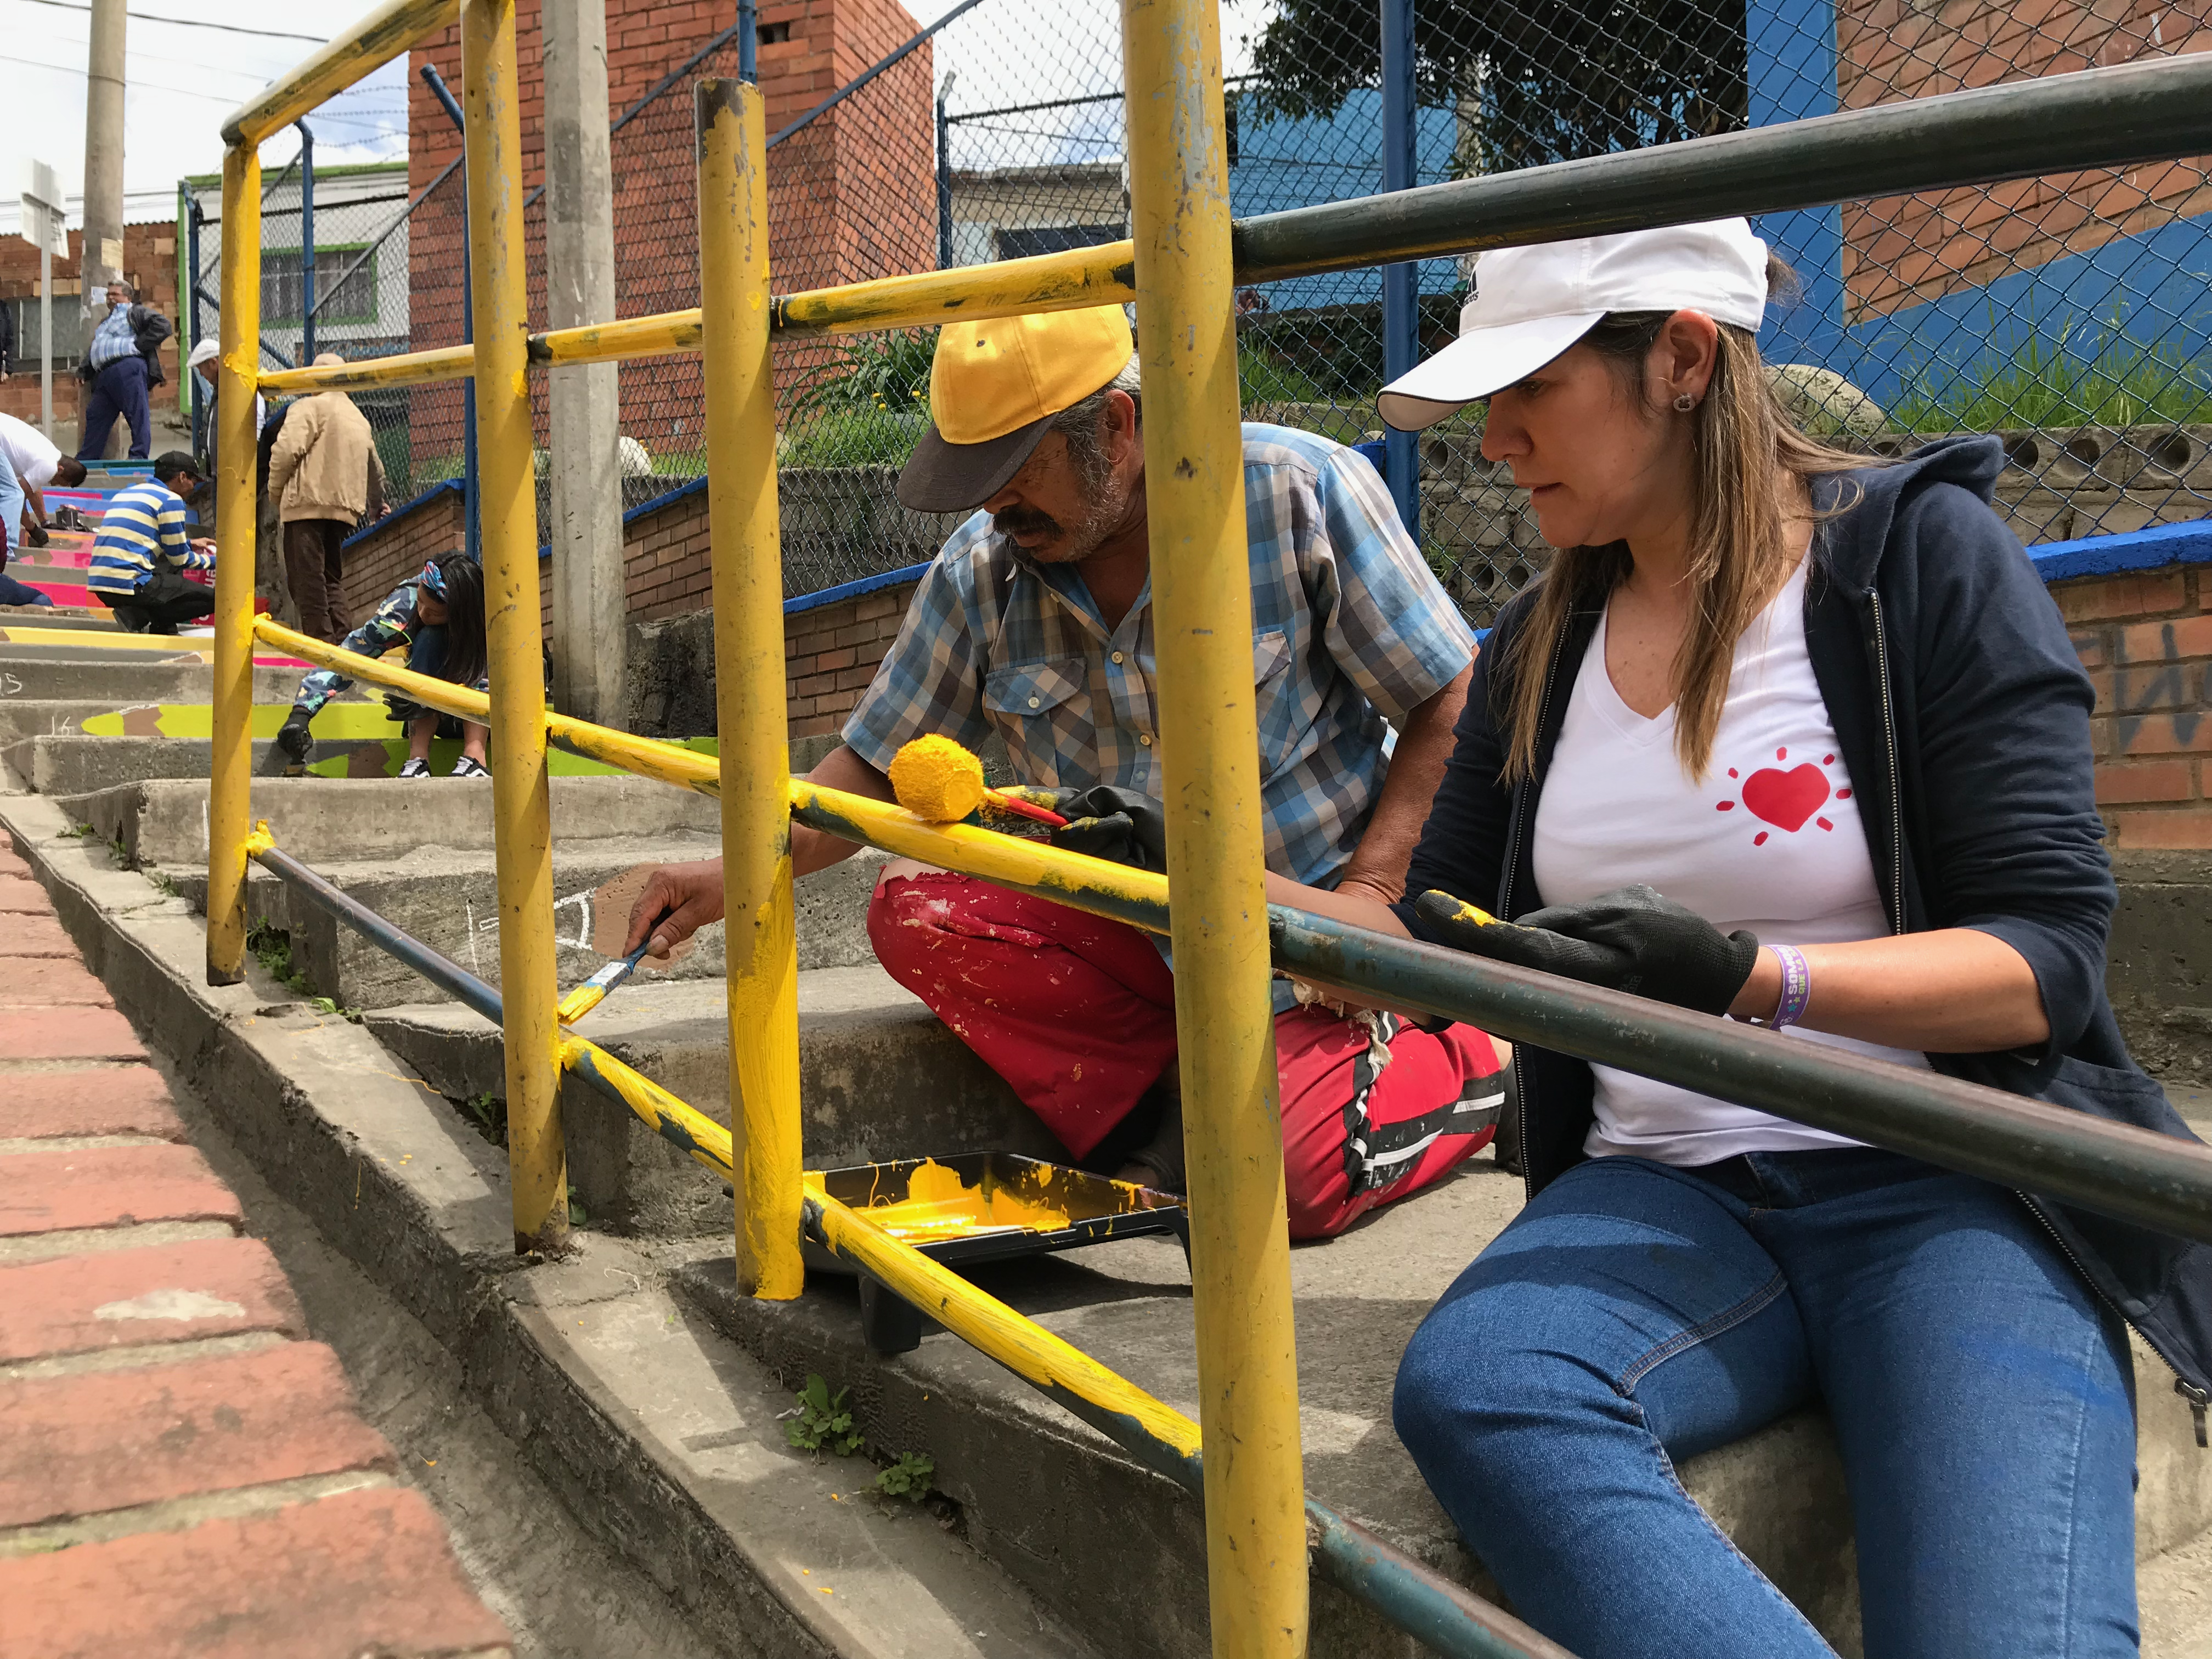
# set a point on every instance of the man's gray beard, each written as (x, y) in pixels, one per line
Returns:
(1087, 534)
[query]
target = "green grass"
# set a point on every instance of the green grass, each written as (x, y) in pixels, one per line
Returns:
(851, 437)
(2043, 386)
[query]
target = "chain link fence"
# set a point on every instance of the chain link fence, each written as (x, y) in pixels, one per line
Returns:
(2066, 315)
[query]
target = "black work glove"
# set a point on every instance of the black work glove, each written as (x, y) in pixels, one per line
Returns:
(293, 737)
(1631, 940)
(1106, 823)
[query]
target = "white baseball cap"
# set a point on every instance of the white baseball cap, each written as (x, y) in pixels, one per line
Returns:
(204, 351)
(1530, 304)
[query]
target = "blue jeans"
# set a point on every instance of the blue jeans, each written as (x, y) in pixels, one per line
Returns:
(1634, 1314)
(118, 389)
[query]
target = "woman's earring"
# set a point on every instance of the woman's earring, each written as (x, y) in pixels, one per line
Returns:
(1685, 404)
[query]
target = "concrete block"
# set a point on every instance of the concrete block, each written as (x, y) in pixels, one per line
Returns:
(321, 821)
(879, 1078)
(69, 765)
(185, 678)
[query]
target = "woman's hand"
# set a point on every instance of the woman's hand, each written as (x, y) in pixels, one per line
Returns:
(1631, 940)
(678, 900)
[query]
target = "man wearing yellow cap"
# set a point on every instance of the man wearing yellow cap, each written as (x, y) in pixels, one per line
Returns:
(1035, 622)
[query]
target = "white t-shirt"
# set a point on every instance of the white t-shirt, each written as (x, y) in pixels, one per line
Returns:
(1769, 840)
(32, 453)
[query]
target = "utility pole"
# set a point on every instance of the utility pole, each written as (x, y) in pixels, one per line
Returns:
(102, 262)
(591, 622)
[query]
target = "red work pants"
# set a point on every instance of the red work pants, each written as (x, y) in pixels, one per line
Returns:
(1078, 1014)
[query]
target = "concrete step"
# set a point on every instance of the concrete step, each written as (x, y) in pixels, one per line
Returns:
(352, 716)
(1074, 1519)
(141, 679)
(662, 1437)
(325, 821)
(879, 1078)
(448, 900)
(65, 766)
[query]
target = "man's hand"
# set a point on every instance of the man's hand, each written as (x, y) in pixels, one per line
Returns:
(1106, 823)
(678, 900)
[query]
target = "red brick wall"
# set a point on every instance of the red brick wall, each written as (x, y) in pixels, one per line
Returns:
(665, 571)
(379, 563)
(847, 199)
(150, 258)
(1903, 251)
(2145, 638)
(831, 652)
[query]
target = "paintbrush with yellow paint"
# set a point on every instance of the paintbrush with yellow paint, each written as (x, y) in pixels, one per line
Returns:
(594, 991)
(937, 778)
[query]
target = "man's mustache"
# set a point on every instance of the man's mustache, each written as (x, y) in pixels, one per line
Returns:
(1024, 521)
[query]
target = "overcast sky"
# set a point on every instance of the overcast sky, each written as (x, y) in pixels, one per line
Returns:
(186, 77)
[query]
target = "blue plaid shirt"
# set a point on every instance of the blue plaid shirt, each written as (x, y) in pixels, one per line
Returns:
(114, 339)
(1349, 628)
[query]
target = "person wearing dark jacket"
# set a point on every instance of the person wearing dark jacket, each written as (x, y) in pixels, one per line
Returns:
(1789, 738)
(122, 362)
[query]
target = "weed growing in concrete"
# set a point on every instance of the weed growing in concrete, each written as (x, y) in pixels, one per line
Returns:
(490, 1112)
(578, 1216)
(77, 832)
(908, 1478)
(272, 949)
(162, 884)
(823, 1421)
(121, 854)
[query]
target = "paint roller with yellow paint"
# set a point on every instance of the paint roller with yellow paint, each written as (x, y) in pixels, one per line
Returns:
(937, 780)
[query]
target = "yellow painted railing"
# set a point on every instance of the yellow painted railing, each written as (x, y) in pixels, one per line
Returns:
(1178, 270)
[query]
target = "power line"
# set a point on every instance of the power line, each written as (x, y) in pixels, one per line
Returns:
(189, 23)
(151, 86)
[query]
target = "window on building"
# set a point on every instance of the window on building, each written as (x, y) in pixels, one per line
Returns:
(284, 286)
(1054, 239)
(70, 327)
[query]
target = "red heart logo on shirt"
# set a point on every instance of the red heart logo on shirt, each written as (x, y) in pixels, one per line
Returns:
(1785, 799)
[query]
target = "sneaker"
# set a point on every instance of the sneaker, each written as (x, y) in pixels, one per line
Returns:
(415, 768)
(467, 768)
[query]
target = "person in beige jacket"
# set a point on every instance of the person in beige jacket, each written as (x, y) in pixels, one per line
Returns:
(325, 475)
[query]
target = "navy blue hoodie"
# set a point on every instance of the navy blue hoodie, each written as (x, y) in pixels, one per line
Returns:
(1963, 713)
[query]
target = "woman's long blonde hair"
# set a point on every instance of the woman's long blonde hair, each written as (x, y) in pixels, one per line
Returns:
(1750, 460)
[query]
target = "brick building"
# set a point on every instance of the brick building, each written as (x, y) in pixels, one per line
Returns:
(845, 203)
(149, 257)
(1903, 251)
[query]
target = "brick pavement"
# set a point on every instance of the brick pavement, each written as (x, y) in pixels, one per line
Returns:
(182, 1472)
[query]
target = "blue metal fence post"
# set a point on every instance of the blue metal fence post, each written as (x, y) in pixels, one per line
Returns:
(1401, 306)
(307, 242)
(748, 42)
(436, 82)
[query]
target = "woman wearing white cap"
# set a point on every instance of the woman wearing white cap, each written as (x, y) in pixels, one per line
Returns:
(1826, 710)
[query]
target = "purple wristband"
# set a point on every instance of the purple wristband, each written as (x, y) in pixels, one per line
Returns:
(1796, 987)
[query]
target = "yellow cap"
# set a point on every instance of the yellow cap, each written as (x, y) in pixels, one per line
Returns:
(994, 385)
(992, 376)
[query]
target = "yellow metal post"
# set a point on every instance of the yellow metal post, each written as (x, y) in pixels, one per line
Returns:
(230, 769)
(763, 948)
(1210, 756)
(522, 833)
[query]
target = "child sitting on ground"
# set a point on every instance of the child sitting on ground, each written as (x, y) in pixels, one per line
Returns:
(439, 616)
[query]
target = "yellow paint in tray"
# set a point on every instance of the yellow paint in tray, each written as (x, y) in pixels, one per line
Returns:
(938, 1206)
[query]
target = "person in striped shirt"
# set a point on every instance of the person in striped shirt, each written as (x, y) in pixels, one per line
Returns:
(141, 552)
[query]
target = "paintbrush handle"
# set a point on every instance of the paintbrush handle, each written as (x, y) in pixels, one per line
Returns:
(1026, 809)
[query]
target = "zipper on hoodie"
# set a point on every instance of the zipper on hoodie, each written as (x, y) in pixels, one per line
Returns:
(2199, 1400)
(1506, 898)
